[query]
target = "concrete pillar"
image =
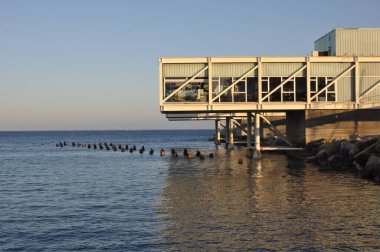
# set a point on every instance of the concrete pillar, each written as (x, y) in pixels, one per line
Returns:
(231, 133)
(217, 132)
(227, 130)
(257, 132)
(296, 127)
(249, 130)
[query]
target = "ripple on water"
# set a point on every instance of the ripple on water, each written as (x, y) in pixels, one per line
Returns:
(79, 199)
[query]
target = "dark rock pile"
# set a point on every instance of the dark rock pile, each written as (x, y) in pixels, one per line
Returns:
(358, 155)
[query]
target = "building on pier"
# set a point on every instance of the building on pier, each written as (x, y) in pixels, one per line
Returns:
(330, 93)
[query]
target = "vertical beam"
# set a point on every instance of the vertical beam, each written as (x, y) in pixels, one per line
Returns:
(161, 82)
(259, 82)
(257, 132)
(209, 82)
(227, 130)
(217, 132)
(308, 72)
(249, 130)
(231, 133)
(357, 79)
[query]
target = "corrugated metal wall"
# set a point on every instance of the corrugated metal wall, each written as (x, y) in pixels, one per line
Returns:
(369, 76)
(282, 69)
(182, 70)
(329, 69)
(327, 43)
(345, 89)
(232, 69)
(358, 42)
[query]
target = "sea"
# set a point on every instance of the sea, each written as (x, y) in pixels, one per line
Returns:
(80, 199)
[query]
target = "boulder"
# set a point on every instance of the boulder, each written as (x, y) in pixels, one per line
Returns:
(331, 148)
(377, 147)
(346, 147)
(357, 167)
(372, 168)
(336, 161)
(322, 157)
(313, 146)
(361, 145)
(364, 155)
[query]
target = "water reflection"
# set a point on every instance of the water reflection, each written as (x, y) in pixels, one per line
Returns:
(274, 203)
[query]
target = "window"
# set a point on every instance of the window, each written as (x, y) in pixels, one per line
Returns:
(319, 83)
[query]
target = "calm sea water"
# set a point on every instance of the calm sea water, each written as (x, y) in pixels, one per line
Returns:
(70, 199)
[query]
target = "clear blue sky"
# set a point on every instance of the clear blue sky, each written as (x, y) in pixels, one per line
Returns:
(82, 64)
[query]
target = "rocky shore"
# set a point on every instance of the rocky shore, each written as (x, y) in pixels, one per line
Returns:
(360, 155)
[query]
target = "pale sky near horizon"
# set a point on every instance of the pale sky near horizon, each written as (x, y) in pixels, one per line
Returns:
(88, 65)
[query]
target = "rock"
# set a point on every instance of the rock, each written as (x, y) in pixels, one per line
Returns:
(357, 167)
(353, 152)
(372, 168)
(313, 146)
(240, 161)
(364, 155)
(377, 147)
(321, 157)
(365, 143)
(310, 159)
(331, 147)
(336, 161)
(345, 148)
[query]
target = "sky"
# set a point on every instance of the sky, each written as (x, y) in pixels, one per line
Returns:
(93, 65)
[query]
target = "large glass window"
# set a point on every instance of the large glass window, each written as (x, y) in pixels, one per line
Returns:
(319, 83)
(195, 91)
(243, 91)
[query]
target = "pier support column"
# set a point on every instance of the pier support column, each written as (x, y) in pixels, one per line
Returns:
(296, 127)
(217, 132)
(231, 133)
(227, 131)
(250, 150)
(249, 130)
(257, 153)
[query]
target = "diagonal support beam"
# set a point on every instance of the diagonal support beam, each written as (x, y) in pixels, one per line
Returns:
(284, 82)
(332, 82)
(185, 83)
(369, 90)
(239, 125)
(236, 82)
(275, 130)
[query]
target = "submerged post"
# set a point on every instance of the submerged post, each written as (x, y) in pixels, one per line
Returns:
(217, 132)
